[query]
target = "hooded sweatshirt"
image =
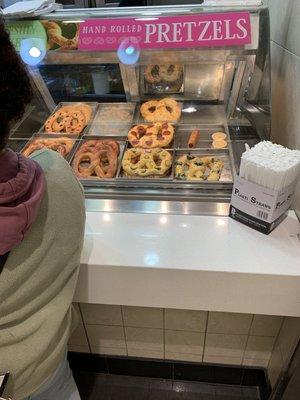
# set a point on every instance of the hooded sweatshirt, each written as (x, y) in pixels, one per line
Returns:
(44, 228)
(22, 186)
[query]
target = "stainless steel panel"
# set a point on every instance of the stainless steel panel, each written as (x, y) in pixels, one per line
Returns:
(203, 81)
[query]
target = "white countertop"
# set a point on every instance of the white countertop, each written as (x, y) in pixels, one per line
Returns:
(194, 262)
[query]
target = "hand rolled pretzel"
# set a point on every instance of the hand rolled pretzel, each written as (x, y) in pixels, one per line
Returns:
(70, 119)
(166, 72)
(161, 110)
(151, 136)
(97, 158)
(61, 145)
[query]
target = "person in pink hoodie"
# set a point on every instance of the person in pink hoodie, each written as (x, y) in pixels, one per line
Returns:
(42, 219)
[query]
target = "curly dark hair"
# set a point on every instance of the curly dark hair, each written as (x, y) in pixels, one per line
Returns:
(15, 88)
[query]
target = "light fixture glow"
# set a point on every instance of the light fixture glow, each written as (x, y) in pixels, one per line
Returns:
(35, 52)
(106, 217)
(221, 222)
(163, 220)
(129, 50)
(189, 109)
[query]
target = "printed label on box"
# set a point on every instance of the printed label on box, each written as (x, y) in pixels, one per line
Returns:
(259, 207)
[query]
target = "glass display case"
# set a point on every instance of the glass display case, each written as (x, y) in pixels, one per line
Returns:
(150, 128)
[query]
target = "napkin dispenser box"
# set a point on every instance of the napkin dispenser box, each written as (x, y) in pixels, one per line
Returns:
(260, 208)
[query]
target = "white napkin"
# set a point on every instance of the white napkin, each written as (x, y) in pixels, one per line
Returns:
(30, 8)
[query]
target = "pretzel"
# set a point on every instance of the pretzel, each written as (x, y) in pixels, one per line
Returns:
(139, 162)
(55, 36)
(161, 110)
(69, 119)
(167, 72)
(189, 167)
(100, 158)
(151, 136)
(62, 145)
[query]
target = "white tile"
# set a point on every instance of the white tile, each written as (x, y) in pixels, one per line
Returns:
(111, 351)
(144, 339)
(266, 325)
(285, 30)
(259, 347)
(275, 366)
(146, 353)
(143, 317)
(101, 336)
(183, 356)
(229, 323)
(78, 337)
(222, 360)
(285, 97)
(94, 314)
(289, 337)
(78, 349)
(185, 320)
(253, 362)
(225, 345)
(184, 342)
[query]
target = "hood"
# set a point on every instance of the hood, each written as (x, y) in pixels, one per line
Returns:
(22, 185)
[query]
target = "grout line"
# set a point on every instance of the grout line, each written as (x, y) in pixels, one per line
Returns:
(164, 332)
(124, 330)
(275, 343)
(284, 48)
(84, 327)
(205, 335)
(247, 341)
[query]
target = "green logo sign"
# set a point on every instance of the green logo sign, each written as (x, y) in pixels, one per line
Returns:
(19, 30)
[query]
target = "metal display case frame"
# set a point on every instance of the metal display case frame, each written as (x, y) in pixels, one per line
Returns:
(235, 94)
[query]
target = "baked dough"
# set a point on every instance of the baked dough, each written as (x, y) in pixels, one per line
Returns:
(219, 136)
(219, 144)
(169, 73)
(165, 110)
(96, 158)
(61, 145)
(151, 136)
(140, 162)
(189, 167)
(70, 119)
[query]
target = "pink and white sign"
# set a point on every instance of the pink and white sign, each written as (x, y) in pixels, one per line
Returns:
(219, 29)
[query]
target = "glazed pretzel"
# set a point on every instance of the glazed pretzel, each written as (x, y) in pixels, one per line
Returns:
(151, 136)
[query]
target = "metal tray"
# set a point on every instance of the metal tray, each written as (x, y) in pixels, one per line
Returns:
(205, 141)
(114, 123)
(90, 181)
(94, 106)
(68, 157)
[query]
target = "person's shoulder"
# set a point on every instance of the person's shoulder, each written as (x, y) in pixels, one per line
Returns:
(55, 165)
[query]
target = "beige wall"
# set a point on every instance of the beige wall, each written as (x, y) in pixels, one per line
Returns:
(285, 55)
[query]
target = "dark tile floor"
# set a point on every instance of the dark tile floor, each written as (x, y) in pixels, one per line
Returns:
(116, 387)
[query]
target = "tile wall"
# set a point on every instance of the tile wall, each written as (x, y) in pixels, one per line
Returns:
(199, 336)
(285, 59)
